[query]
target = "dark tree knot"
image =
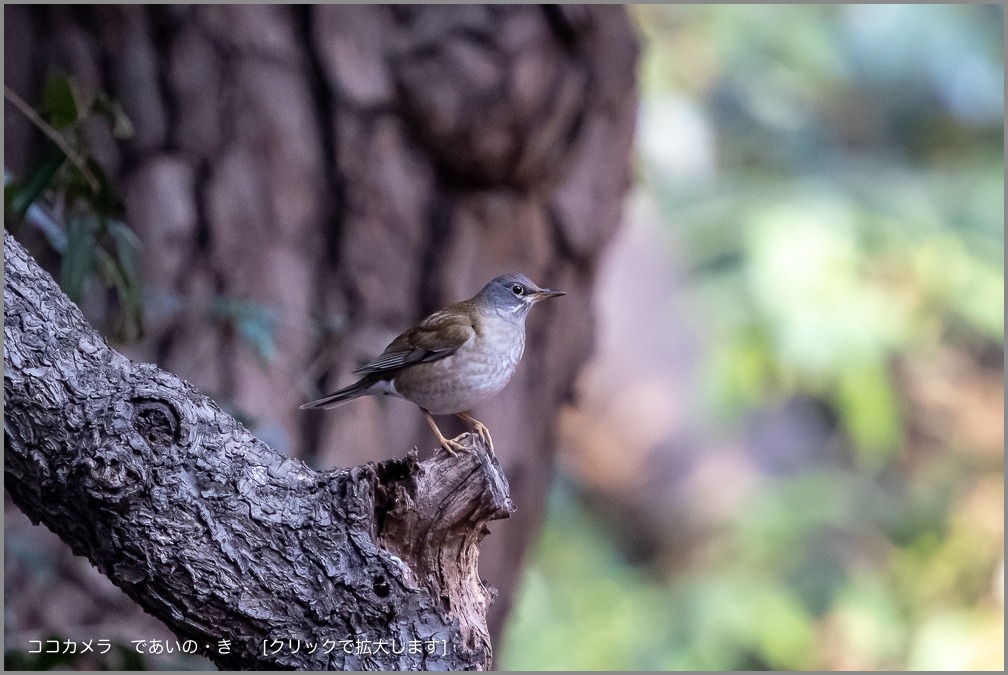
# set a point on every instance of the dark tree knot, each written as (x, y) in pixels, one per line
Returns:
(156, 421)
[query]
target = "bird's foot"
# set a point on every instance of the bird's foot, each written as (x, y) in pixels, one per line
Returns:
(484, 434)
(452, 447)
(480, 429)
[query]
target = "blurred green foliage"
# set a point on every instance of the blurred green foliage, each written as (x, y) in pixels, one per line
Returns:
(254, 322)
(69, 200)
(835, 177)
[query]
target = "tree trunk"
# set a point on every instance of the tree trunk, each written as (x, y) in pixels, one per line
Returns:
(350, 169)
(218, 535)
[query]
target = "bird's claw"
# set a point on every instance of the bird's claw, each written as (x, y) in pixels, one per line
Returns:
(479, 429)
(484, 433)
(451, 446)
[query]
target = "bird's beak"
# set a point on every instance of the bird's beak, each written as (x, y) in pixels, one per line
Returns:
(544, 293)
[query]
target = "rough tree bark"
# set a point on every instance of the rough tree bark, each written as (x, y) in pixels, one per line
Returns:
(354, 168)
(222, 537)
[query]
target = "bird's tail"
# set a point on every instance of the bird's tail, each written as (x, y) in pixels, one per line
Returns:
(360, 388)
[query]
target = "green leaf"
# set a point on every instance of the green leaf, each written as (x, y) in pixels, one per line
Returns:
(59, 104)
(79, 258)
(106, 202)
(128, 280)
(122, 126)
(869, 411)
(129, 325)
(10, 194)
(254, 322)
(127, 247)
(91, 187)
(20, 195)
(258, 329)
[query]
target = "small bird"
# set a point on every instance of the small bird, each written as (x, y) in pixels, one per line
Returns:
(454, 359)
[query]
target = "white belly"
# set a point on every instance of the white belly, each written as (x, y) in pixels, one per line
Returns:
(470, 376)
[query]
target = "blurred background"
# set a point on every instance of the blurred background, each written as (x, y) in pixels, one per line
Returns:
(788, 450)
(773, 396)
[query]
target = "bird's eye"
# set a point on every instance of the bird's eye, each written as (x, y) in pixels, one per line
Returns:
(518, 290)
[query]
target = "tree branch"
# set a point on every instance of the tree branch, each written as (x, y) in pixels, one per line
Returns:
(221, 537)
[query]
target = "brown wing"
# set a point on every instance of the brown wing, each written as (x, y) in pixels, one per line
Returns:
(439, 335)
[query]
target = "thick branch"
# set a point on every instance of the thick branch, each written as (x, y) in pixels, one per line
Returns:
(218, 535)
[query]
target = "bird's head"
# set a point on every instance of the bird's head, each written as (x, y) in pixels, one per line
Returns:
(514, 294)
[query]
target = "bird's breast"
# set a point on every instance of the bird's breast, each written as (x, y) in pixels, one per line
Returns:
(473, 374)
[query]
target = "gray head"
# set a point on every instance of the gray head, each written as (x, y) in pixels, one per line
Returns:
(514, 294)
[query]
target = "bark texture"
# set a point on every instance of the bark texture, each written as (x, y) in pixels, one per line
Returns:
(220, 536)
(352, 169)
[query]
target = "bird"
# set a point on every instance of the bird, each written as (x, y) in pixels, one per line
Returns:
(455, 359)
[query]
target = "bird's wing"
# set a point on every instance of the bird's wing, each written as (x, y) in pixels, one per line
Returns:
(439, 335)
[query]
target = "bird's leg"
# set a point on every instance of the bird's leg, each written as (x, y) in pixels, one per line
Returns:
(450, 446)
(479, 427)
